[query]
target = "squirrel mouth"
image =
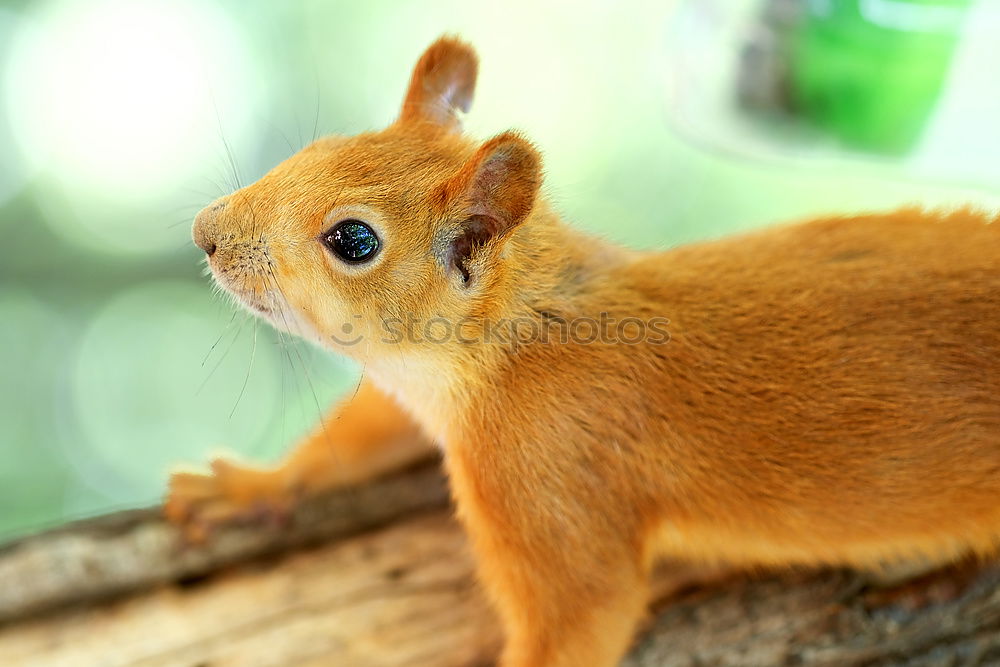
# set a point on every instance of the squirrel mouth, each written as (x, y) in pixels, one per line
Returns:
(251, 299)
(267, 303)
(260, 304)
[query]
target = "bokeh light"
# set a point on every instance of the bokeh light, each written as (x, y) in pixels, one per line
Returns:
(125, 100)
(32, 470)
(131, 422)
(119, 119)
(16, 170)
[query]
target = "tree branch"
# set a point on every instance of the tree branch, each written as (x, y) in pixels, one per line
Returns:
(381, 575)
(119, 553)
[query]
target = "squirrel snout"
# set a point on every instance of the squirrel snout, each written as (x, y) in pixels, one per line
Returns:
(205, 228)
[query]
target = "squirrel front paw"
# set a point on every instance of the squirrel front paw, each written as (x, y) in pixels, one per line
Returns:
(229, 493)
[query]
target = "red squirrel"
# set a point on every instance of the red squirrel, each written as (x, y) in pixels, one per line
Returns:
(823, 393)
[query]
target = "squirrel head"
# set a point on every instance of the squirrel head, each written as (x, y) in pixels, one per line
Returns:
(354, 235)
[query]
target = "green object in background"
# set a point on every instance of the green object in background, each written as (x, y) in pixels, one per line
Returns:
(870, 71)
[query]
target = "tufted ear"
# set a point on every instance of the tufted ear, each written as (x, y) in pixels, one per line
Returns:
(491, 194)
(442, 84)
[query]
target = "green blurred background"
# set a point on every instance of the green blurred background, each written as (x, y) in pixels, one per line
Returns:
(118, 360)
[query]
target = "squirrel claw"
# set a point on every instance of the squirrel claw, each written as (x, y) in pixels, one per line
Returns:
(229, 494)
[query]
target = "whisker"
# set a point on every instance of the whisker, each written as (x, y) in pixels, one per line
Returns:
(351, 495)
(305, 368)
(178, 223)
(291, 148)
(229, 149)
(219, 340)
(318, 95)
(201, 193)
(246, 379)
(223, 188)
(222, 358)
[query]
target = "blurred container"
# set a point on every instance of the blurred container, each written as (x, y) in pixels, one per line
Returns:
(903, 89)
(871, 71)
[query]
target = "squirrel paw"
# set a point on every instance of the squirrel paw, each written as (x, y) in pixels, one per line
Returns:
(230, 493)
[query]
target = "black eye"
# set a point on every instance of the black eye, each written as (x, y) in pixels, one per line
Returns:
(352, 240)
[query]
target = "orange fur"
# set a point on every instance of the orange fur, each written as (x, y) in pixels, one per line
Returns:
(830, 392)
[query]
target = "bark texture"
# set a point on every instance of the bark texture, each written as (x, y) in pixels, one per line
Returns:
(381, 575)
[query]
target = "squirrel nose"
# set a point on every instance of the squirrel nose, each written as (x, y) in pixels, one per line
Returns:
(205, 244)
(204, 231)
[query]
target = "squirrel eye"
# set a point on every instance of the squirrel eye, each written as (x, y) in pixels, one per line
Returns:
(352, 240)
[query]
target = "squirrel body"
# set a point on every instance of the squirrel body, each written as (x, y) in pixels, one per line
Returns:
(824, 393)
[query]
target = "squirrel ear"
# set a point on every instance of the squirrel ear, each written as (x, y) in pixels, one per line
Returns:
(492, 193)
(442, 83)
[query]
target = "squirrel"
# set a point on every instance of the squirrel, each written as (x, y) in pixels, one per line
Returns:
(824, 393)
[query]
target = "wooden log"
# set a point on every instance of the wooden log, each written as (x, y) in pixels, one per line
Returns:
(404, 594)
(829, 619)
(119, 553)
(401, 596)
